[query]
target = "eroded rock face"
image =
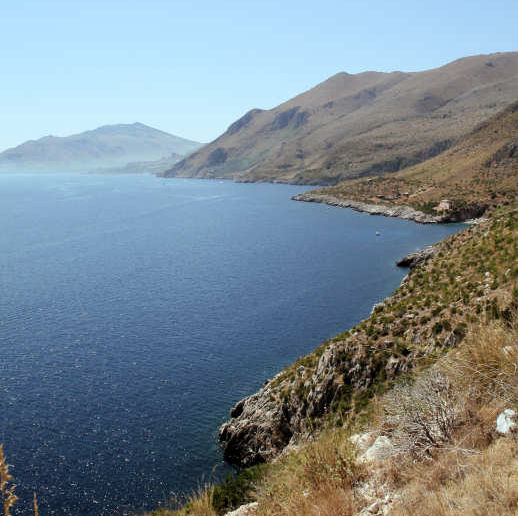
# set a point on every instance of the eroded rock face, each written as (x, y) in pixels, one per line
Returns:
(259, 429)
(416, 258)
(283, 412)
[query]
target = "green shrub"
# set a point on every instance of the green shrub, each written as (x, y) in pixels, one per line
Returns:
(237, 490)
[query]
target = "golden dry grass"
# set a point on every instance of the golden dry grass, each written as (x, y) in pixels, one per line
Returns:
(318, 480)
(478, 473)
(488, 363)
(456, 484)
(6, 487)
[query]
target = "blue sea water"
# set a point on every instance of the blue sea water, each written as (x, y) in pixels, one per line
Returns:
(135, 311)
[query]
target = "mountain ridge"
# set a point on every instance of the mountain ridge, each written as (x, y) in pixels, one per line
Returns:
(352, 125)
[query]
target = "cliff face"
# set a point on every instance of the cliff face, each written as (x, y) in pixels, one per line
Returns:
(287, 410)
(352, 125)
(459, 283)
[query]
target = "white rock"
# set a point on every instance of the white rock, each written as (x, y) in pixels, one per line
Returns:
(509, 351)
(381, 449)
(244, 510)
(505, 421)
(361, 441)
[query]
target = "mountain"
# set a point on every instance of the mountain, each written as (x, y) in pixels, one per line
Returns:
(478, 173)
(106, 146)
(143, 167)
(353, 125)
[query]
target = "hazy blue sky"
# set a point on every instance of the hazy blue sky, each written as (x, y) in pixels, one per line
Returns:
(191, 68)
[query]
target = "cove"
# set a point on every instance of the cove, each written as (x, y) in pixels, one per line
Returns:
(135, 311)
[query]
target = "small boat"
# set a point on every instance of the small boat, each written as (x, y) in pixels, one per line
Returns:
(378, 233)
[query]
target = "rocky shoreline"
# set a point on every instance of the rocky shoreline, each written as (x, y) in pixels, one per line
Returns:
(413, 259)
(401, 212)
(339, 374)
(344, 372)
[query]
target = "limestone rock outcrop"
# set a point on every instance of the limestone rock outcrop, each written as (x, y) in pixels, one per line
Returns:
(413, 259)
(401, 212)
(283, 411)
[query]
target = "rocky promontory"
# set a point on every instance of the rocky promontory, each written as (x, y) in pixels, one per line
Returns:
(401, 212)
(413, 259)
(288, 408)
(425, 316)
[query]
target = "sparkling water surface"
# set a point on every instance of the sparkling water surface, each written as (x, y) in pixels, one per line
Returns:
(135, 311)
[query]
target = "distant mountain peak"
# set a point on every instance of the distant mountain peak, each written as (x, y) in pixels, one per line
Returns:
(113, 145)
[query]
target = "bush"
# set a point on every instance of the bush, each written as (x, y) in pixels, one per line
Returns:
(422, 416)
(238, 490)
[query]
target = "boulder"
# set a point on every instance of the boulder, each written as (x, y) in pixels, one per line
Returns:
(380, 449)
(418, 257)
(244, 510)
(505, 421)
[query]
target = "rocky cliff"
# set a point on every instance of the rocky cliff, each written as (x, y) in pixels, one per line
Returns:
(443, 293)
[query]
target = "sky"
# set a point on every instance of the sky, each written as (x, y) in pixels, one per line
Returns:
(193, 67)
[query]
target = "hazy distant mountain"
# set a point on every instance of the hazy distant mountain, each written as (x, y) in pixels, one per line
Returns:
(352, 125)
(144, 167)
(106, 146)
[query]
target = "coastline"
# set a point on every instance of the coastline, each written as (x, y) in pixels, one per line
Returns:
(288, 408)
(400, 212)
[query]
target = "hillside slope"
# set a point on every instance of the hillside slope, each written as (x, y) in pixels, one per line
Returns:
(106, 146)
(156, 167)
(352, 125)
(479, 173)
(472, 277)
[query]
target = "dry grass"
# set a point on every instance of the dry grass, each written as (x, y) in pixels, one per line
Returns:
(423, 416)
(6, 488)
(35, 504)
(488, 362)
(477, 473)
(318, 480)
(199, 503)
(456, 484)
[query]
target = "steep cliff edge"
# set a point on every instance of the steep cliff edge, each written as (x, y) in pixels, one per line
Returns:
(469, 278)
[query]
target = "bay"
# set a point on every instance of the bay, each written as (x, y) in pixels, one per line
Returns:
(135, 311)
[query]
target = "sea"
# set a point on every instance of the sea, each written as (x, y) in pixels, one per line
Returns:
(135, 311)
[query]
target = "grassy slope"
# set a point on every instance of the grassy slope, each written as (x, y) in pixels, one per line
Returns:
(482, 168)
(469, 287)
